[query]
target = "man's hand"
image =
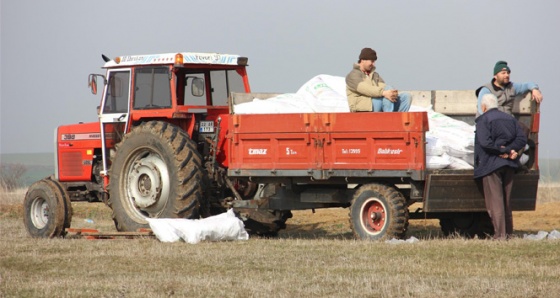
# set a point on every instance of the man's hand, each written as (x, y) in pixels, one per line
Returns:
(513, 154)
(391, 95)
(536, 95)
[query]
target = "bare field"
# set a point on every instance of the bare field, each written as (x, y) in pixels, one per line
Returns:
(316, 256)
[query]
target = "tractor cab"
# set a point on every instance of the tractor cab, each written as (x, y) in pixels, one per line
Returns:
(189, 90)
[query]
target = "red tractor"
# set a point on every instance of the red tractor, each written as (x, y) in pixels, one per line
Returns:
(155, 151)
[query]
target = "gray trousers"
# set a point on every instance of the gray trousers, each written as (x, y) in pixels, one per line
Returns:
(497, 194)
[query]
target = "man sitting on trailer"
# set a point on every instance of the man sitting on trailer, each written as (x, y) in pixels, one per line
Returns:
(367, 91)
(505, 90)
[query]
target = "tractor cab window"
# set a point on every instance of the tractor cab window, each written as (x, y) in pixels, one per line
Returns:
(116, 99)
(151, 88)
(223, 83)
(192, 87)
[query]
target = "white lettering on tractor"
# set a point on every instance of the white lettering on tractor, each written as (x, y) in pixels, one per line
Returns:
(259, 151)
(389, 151)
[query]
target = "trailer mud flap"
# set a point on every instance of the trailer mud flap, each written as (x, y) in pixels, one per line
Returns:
(461, 193)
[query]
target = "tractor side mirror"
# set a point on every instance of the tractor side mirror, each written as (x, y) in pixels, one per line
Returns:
(92, 83)
(197, 87)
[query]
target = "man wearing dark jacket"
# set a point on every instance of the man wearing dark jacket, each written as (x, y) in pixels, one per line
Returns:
(498, 138)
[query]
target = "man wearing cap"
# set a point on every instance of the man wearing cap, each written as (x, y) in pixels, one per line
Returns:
(505, 90)
(367, 91)
(498, 138)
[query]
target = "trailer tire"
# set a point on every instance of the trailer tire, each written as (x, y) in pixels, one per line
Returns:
(156, 173)
(378, 212)
(266, 223)
(468, 224)
(47, 209)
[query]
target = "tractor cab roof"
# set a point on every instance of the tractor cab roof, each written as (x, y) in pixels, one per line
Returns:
(176, 59)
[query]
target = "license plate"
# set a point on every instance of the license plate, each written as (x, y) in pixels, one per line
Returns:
(206, 127)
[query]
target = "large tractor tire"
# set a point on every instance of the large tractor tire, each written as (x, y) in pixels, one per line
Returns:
(378, 212)
(47, 209)
(468, 224)
(156, 173)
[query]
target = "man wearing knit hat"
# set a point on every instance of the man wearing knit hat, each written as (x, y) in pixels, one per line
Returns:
(367, 91)
(505, 90)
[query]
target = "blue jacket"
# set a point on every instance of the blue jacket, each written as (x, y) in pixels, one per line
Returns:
(496, 133)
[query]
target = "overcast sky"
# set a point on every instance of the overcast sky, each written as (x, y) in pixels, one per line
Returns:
(48, 48)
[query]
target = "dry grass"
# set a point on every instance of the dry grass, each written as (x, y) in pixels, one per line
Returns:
(315, 257)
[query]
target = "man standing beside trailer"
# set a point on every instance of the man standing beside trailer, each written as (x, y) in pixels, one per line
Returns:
(498, 138)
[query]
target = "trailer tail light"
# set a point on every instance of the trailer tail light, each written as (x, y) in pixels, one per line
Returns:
(178, 59)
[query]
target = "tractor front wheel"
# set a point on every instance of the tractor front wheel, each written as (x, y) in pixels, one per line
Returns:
(47, 209)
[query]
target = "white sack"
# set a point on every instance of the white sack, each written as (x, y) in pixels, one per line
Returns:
(434, 147)
(221, 227)
(321, 94)
(437, 162)
(281, 104)
(459, 164)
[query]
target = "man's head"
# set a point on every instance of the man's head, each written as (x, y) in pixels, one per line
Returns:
(489, 101)
(367, 59)
(501, 73)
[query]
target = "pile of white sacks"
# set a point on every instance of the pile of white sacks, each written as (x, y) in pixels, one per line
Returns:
(450, 142)
(222, 227)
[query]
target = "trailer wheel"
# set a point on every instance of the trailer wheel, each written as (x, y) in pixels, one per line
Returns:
(467, 224)
(265, 223)
(378, 212)
(156, 173)
(47, 209)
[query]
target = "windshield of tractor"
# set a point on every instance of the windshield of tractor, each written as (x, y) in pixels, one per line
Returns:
(152, 88)
(209, 87)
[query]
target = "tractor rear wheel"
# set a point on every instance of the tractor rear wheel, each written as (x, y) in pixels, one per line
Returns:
(378, 212)
(47, 209)
(156, 173)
